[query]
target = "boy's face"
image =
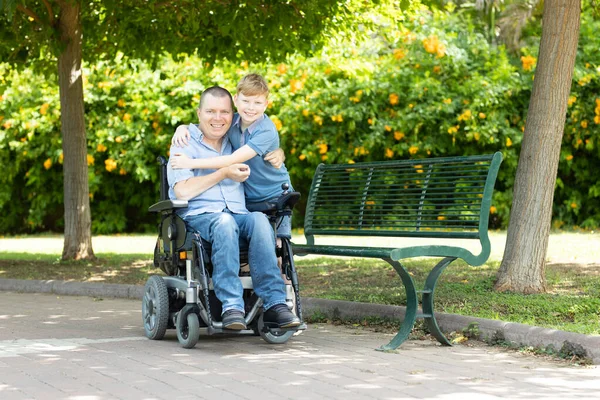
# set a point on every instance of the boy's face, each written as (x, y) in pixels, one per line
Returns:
(250, 108)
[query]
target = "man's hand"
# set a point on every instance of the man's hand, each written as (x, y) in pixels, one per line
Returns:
(276, 158)
(237, 172)
(181, 161)
(181, 138)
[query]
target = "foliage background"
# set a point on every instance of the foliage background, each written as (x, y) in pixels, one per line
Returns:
(427, 83)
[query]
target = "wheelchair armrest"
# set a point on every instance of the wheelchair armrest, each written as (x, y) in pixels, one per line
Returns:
(167, 205)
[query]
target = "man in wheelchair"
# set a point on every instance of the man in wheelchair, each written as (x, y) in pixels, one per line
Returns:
(216, 212)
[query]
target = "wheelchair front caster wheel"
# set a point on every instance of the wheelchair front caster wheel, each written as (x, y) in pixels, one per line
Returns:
(272, 337)
(188, 330)
(155, 308)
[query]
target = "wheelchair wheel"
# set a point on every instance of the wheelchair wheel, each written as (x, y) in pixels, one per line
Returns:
(272, 337)
(188, 330)
(155, 308)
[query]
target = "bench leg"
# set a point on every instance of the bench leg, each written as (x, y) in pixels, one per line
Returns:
(412, 303)
(427, 300)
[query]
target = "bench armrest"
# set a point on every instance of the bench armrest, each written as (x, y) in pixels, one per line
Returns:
(167, 205)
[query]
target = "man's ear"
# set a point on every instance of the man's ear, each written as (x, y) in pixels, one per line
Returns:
(198, 113)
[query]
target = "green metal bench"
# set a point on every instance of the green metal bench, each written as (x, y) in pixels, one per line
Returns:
(434, 199)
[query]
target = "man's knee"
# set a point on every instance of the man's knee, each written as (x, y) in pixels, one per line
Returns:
(225, 225)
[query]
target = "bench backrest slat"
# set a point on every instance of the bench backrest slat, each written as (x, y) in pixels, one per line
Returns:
(447, 197)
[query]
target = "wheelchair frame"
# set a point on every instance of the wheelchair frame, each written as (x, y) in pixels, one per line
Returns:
(184, 299)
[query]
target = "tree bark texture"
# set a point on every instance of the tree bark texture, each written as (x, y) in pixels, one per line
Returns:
(523, 265)
(78, 223)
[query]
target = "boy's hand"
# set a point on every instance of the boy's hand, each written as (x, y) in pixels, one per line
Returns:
(181, 138)
(238, 172)
(276, 158)
(180, 161)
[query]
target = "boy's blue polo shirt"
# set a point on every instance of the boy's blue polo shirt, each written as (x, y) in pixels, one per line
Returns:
(262, 137)
(226, 194)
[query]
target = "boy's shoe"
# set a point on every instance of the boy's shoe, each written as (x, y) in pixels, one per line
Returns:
(234, 319)
(281, 315)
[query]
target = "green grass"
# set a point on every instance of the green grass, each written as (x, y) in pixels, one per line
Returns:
(572, 302)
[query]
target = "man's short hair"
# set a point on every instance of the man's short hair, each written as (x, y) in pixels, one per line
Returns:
(215, 91)
(253, 85)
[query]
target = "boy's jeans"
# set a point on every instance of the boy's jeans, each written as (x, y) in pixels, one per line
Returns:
(225, 230)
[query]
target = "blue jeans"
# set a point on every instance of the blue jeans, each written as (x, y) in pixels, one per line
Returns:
(225, 230)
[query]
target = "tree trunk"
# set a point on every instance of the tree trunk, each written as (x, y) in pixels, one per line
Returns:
(524, 261)
(78, 222)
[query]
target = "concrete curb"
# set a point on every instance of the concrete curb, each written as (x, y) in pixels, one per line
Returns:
(519, 334)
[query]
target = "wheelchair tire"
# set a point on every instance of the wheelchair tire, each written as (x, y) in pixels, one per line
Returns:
(270, 337)
(188, 330)
(155, 308)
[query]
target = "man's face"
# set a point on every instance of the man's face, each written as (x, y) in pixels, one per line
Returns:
(250, 108)
(215, 116)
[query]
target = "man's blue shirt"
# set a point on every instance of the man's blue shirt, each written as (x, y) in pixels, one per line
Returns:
(262, 137)
(226, 194)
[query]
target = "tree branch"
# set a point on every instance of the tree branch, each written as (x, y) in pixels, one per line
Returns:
(30, 13)
(50, 12)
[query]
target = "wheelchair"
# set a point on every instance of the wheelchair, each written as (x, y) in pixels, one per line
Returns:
(184, 299)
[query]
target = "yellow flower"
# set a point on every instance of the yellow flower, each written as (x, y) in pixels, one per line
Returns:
(394, 99)
(296, 85)
(528, 62)
(433, 45)
(388, 128)
(465, 115)
(398, 135)
(305, 112)
(110, 164)
(476, 135)
(122, 172)
(48, 163)
(572, 99)
(447, 101)
(61, 158)
(121, 103)
(399, 54)
(493, 210)
(359, 92)
(413, 150)
(597, 119)
(389, 153)
(318, 120)
(126, 117)
(584, 124)
(44, 108)
(100, 148)
(155, 125)
(354, 99)
(301, 157)
(337, 118)
(282, 69)
(569, 157)
(277, 122)
(508, 142)
(322, 148)
(370, 121)
(118, 139)
(90, 159)
(453, 129)
(441, 218)
(573, 205)
(324, 157)
(481, 115)
(437, 69)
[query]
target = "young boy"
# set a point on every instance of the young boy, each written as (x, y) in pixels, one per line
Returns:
(253, 135)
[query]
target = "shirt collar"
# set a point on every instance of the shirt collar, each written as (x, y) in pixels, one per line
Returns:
(252, 127)
(195, 132)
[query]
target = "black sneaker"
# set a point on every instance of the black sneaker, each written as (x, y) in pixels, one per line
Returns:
(281, 315)
(233, 319)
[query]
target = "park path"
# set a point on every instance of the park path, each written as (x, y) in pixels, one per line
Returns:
(69, 347)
